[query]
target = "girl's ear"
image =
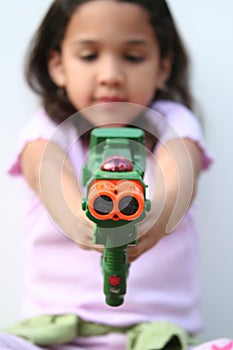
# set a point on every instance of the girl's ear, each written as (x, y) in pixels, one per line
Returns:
(55, 68)
(165, 70)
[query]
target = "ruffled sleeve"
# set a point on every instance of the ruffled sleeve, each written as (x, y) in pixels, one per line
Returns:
(174, 120)
(38, 127)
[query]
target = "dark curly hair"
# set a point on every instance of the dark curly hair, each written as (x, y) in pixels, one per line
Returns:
(51, 33)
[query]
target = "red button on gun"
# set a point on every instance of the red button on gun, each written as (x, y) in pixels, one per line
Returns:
(114, 280)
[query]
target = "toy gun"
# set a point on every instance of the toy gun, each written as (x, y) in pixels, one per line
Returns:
(115, 200)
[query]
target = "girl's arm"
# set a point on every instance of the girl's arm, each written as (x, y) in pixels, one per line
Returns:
(178, 164)
(50, 174)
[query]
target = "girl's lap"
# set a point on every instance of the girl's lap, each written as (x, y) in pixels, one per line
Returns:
(10, 342)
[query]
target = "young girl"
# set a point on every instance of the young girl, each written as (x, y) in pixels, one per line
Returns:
(89, 56)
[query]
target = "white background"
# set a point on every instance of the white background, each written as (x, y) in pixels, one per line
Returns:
(207, 28)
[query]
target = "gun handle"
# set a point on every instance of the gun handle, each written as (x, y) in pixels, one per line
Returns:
(115, 271)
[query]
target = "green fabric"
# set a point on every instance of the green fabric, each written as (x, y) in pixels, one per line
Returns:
(156, 336)
(44, 330)
(62, 329)
(59, 329)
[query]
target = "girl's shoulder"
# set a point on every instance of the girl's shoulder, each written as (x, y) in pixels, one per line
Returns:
(173, 120)
(174, 111)
(40, 126)
(38, 123)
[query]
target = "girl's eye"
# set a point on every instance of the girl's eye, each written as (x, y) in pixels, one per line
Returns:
(88, 57)
(134, 58)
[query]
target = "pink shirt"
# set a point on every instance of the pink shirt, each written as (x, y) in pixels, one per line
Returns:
(62, 278)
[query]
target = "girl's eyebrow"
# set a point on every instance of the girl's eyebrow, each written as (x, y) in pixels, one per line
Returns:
(133, 42)
(139, 42)
(84, 41)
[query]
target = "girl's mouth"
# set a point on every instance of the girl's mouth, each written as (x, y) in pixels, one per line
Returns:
(110, 99)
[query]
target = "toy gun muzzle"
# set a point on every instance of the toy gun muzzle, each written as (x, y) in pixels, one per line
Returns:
(116, 200)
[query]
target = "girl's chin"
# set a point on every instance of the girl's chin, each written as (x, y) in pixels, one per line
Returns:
(116, 114)
(111, 125)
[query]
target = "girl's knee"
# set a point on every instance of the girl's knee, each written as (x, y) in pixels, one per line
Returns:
(10, 342)
(3, 341)
(217, 344)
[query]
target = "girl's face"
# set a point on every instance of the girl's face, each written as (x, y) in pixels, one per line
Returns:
(109, 54)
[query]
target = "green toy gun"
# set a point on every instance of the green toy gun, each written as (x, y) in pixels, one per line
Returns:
(115, 200)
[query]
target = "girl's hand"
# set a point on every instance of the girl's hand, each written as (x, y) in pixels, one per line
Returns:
(178, 164)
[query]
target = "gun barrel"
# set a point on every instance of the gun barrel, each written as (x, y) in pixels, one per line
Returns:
(116, 200)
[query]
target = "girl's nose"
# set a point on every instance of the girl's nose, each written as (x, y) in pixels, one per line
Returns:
(111, 72)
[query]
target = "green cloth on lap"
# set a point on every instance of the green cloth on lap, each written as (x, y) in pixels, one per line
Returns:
(59, 329)
(45, 330)
(156, 336)
(62, 329)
